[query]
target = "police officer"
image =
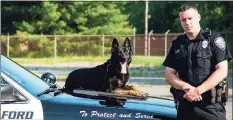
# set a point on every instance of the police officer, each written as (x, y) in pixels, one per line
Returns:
(197, 62)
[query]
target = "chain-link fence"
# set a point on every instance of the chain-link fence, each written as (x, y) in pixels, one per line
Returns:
(85, 45)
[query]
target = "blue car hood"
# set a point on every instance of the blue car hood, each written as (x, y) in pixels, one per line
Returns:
(69, 107)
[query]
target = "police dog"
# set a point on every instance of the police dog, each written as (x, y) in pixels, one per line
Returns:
(110, 76)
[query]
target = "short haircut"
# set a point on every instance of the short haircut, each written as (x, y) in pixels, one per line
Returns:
(187, 7)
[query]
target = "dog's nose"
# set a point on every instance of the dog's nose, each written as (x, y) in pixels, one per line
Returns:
(119, 83)
(123, 59)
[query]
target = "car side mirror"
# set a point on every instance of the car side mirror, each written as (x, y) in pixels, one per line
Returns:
(8, 94)
(49, 78)
(6, 90)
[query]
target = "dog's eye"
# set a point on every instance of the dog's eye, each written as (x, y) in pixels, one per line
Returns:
(120, 52)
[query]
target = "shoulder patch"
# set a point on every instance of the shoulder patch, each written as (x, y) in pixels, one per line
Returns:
(219, 42)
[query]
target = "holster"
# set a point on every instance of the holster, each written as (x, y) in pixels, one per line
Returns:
(220, 93)
(224, 92)
(173, 92)
(216, 94)
(177, 94)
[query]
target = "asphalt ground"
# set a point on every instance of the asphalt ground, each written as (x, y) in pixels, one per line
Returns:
(163, 91)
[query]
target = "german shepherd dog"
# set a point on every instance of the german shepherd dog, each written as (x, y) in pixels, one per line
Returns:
(110, 76)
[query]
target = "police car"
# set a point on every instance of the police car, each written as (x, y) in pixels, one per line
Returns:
(24, 95)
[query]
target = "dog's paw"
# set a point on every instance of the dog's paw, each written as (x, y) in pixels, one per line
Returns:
(130, 92)
(139, 93)
(143, 94)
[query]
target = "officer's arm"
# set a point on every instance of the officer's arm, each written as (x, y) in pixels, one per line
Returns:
(221, 55)
(171, 69)
(219, 74)
(173, 80)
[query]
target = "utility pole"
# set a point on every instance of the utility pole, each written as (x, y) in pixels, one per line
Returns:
(146, 26)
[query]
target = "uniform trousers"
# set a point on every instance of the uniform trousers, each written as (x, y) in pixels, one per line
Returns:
(200, 111)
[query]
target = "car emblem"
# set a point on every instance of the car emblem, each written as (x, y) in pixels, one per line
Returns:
(204, 44)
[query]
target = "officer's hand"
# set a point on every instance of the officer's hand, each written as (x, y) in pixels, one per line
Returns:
(198, 99)
(193, 99)
(188, 88)
(192, 95)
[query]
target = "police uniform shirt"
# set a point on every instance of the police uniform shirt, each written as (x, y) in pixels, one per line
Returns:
(195, 60)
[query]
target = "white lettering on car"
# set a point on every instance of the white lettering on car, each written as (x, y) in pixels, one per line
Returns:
(17, 115)
(115, 115)
(97, 114)
(139, 115)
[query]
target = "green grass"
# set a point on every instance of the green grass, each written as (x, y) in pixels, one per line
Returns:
(142, 61)
(154, 61)
(66, 59)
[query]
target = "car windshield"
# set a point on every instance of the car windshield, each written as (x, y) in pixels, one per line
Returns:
(31, 82)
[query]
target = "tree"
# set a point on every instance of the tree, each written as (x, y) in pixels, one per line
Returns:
(42, 17)
(64, 18)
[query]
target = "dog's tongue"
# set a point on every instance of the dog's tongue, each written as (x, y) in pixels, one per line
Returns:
(123, 68)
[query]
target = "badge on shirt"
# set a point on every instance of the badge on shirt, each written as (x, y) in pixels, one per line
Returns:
(204, 44)
(219, 41)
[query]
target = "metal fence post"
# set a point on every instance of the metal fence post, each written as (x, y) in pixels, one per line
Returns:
(103, 45)
(165, 43)
(8, 45)
(151, 32)
(55, 48)
(146, 27)
(134, 41)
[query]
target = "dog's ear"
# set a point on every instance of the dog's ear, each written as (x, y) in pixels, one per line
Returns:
(127, 43)
(114, 44)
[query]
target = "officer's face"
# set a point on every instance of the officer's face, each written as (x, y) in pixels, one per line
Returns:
(189, 20)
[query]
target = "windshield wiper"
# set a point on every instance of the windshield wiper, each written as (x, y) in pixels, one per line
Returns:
(52, 88)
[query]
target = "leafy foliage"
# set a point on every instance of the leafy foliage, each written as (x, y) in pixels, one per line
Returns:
(55, 17)
(64, 18)
(96, 18)
(164, 15)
